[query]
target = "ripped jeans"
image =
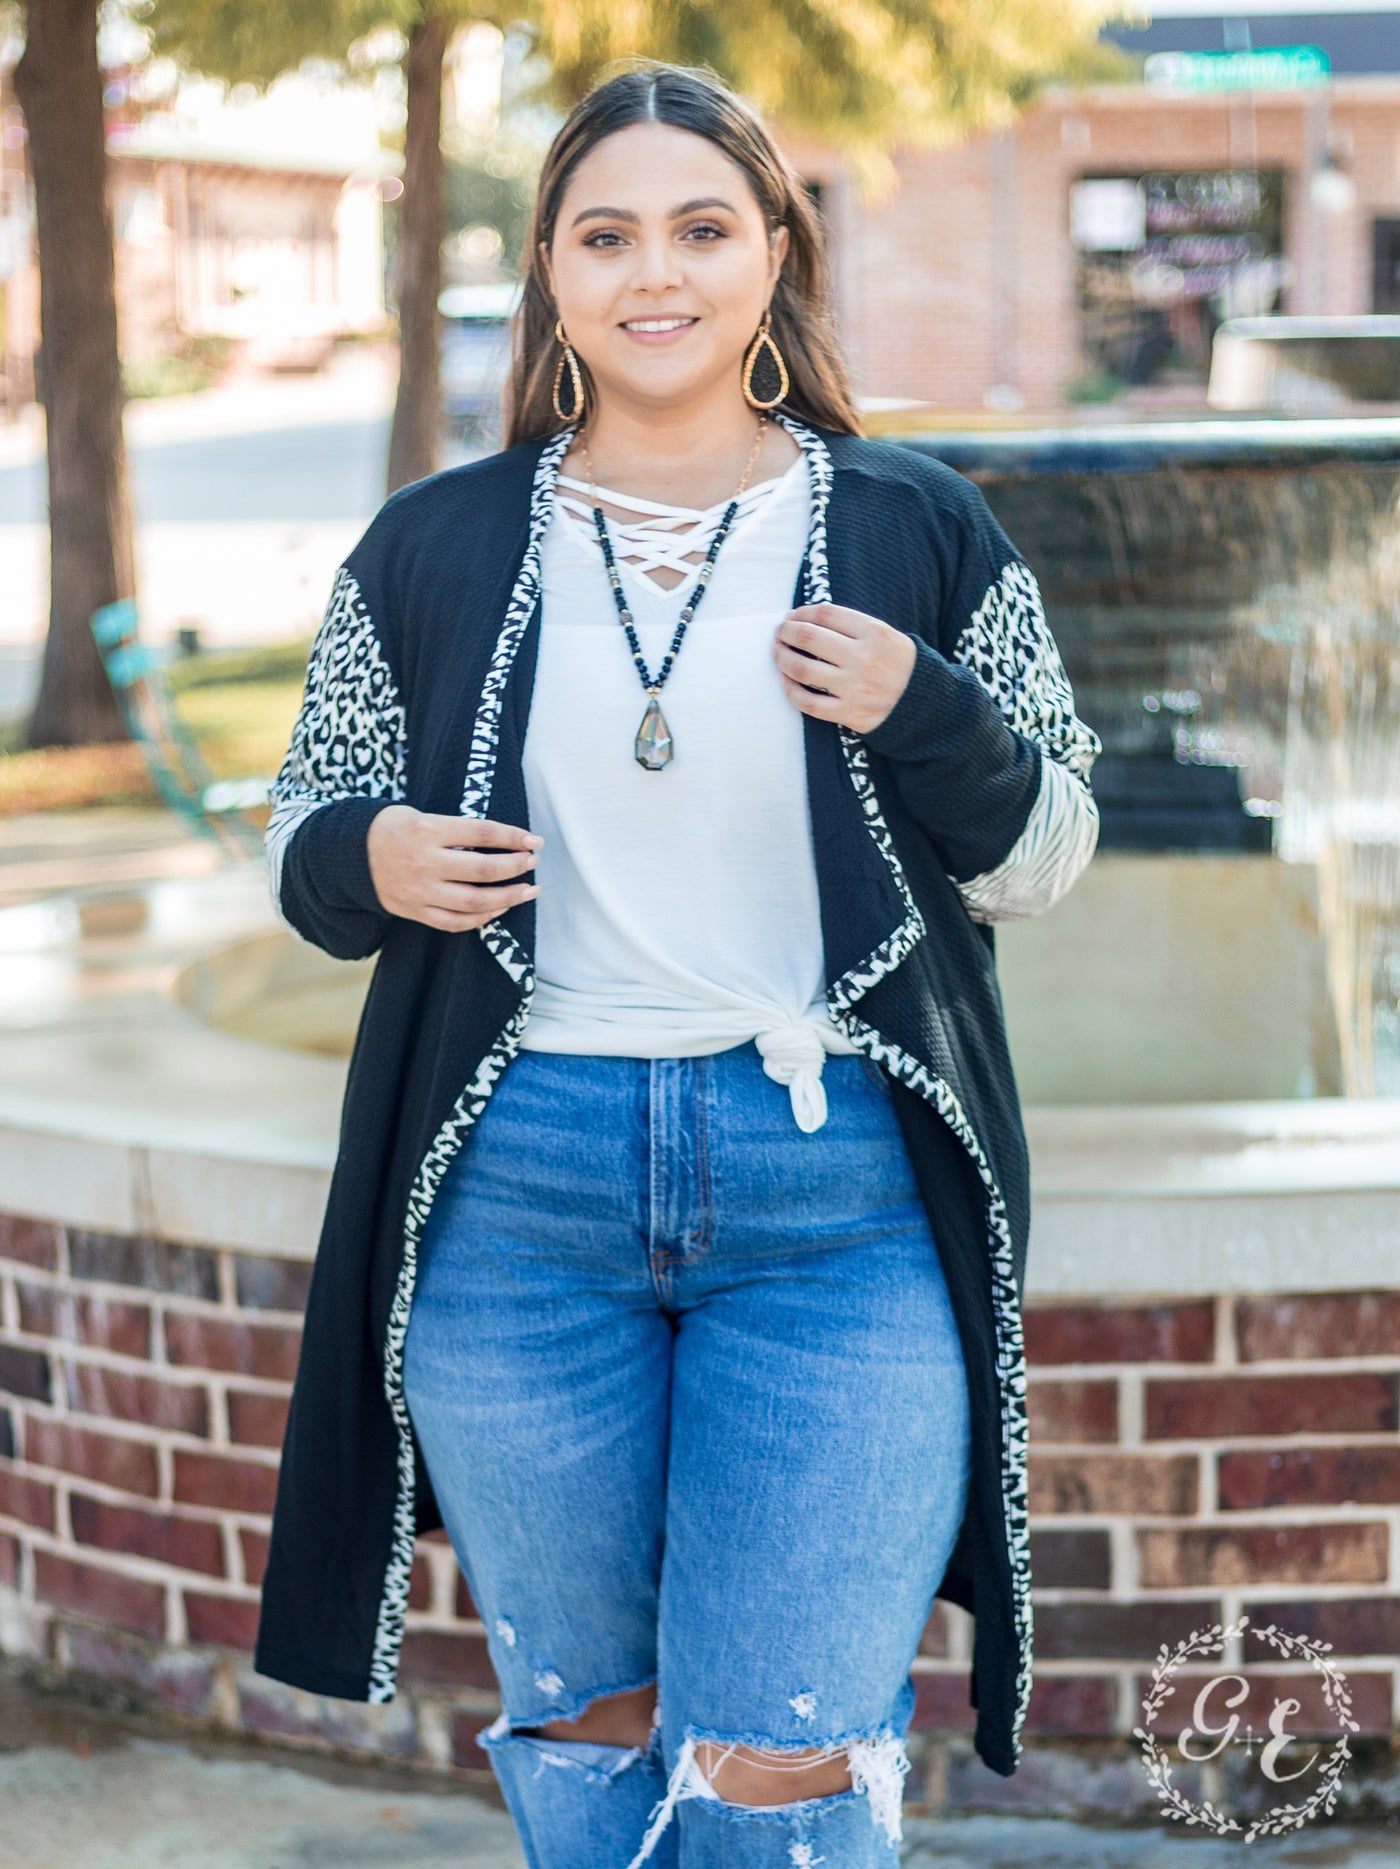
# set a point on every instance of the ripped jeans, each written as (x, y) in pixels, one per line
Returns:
(692, 1399)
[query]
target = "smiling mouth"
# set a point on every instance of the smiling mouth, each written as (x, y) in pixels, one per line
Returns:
(657, 324)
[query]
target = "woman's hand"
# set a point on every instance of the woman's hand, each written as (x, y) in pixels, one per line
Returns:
(441, 871)
(862, 667)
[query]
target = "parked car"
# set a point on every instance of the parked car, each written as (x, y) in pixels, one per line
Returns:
(476, 357)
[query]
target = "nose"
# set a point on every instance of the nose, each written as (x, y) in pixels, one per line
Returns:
(656, 264)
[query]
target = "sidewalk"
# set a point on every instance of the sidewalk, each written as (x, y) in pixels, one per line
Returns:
(81, 1792)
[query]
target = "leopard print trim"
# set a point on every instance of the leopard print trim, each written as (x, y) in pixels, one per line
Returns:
(841, 997)
(1009, 648)
(388, 1638)
(349, 736)
(1010, 1348)
(896, 947)
(476, 796)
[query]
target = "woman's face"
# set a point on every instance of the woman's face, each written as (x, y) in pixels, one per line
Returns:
(657, 223)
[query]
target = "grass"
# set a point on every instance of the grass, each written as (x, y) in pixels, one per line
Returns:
(240, 708)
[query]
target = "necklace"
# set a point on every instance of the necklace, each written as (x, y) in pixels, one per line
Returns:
(654, 747)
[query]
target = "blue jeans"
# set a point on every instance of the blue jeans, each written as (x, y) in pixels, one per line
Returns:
(692, 1399)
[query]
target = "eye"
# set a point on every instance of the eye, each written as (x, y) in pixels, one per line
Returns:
(706, 227)
(609, 234)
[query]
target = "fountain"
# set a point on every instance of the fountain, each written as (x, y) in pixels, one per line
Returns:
(1205, 1039)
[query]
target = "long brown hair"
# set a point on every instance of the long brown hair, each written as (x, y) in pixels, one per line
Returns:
(803, 325)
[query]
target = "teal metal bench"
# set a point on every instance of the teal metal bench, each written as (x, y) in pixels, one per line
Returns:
(218, 808)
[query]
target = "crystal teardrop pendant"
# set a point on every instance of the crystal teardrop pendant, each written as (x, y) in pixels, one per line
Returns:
(653, 746)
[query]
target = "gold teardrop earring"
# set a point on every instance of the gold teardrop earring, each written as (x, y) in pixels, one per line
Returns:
(567, 356)
(775, 374)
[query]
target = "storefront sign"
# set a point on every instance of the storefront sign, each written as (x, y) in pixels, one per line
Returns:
(1275, 68)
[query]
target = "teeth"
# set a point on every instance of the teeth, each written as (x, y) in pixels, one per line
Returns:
(657, 324)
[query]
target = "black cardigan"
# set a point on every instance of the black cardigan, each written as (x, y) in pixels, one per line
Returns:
(968, 805)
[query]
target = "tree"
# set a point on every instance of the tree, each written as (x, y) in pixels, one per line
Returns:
(862, 76)
(59, 86)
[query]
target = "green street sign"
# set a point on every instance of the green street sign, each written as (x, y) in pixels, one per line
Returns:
(1275, 68)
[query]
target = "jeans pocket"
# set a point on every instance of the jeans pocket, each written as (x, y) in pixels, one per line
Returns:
(878, 1075)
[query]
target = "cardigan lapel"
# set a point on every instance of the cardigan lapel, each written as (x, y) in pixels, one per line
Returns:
(869, 919)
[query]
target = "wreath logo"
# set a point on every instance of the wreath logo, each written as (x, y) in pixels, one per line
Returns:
(1204, 1725)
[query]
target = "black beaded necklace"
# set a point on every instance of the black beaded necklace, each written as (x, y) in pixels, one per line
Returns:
(654, 746)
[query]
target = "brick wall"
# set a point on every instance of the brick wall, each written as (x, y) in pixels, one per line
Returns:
(964, 277)
(1190, 1459)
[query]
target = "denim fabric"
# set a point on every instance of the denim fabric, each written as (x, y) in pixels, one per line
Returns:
(691, 1395)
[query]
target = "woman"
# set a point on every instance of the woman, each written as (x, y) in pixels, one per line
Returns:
(674, 1251)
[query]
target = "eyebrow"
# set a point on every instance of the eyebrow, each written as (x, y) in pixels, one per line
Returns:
(627, 214)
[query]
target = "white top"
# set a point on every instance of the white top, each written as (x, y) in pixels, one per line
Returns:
(678, 911)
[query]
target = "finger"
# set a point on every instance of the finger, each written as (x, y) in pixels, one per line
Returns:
(838, 618)
(801, 668)
(823, 645)
(479, 866)
(467, 898)
(458, 833)
(820, 706)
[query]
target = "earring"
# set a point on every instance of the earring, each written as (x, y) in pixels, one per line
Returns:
(566, 356)
(773, 367)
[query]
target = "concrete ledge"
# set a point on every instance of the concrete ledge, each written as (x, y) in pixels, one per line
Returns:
(124, 1110)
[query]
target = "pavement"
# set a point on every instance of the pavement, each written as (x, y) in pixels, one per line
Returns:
(246, 499)
(80, 1790)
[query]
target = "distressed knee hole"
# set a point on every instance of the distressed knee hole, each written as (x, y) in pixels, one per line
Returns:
(624, 1718)
(766, 1775)
(871, 1768)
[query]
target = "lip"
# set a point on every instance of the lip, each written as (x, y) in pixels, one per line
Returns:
(660, 337)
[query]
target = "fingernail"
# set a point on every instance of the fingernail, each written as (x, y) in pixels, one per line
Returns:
(534, 842)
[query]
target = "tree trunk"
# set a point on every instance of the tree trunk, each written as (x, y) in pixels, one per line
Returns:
(413, 440)
(59, 86)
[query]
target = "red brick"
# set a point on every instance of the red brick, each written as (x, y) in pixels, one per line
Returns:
(24, 1498)
(155, 1265)
(1110, 1333)
(1297, 1476)
(1352, 1323)
(935, 1638)
(941, 1703)
(227, 1484)
(74, 1317)
(1070, 1560)
(224, 1621)
(1102, 1631)
(467, 1751)
(464, 1606)
(1180, 1558)
(30, 1242)
(264, 1284)
(128, 1465)
(1073, 1411)
(1146, 1485)
(256, 1418)
(9, 1560)
(1224, 1407)
(25, 1373)
(1353, 1625)
(100, 1594)
(420, 1584)
(446, 1658)
(170, 1678)
(255, 1546)
(198, 1341)
(1370, 1701)
(1072, 1703)
(164, 1537)
(97, 1389)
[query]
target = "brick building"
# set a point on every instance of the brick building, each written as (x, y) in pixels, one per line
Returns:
(995, 278)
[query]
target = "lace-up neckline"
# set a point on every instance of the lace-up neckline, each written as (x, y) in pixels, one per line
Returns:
(662, 537)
